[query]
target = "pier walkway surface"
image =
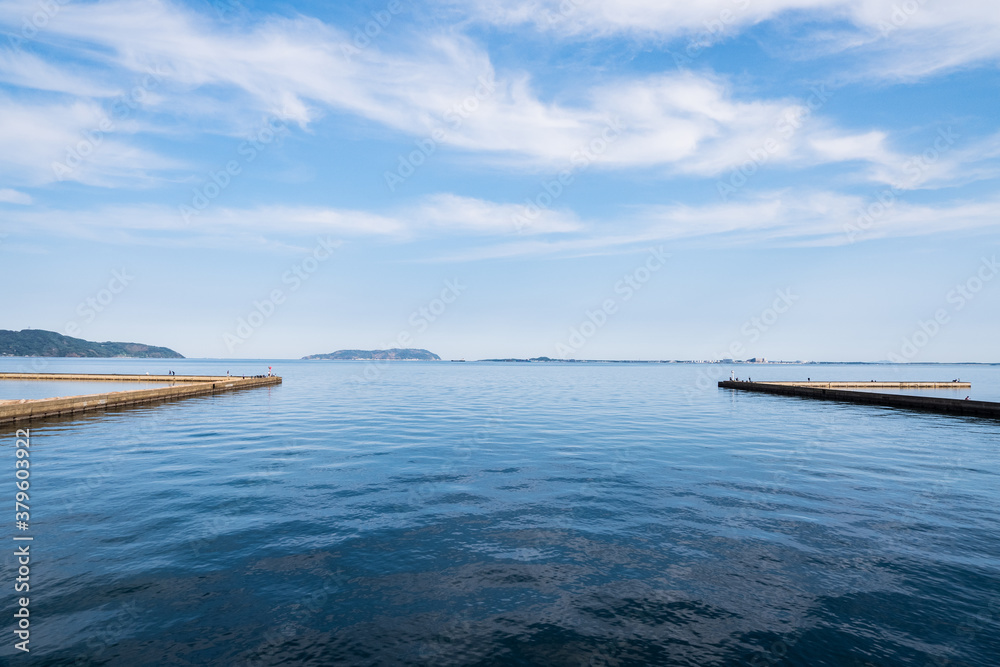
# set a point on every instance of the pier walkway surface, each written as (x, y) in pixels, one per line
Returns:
(847, 391)
(180, 386)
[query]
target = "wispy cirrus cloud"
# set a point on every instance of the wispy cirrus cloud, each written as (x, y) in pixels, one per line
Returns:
(48, 141)
(773, 220)
(220, 78)
(431, 216)
(10, 196)
(897, 40)
(484, 229)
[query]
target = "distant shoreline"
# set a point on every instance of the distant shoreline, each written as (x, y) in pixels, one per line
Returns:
(533, 361)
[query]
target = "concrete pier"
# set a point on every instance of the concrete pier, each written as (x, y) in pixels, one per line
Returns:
(179, 386)
(842, 391)
(116, 377)
(872, 385)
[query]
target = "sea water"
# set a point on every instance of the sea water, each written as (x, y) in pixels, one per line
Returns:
(424, 513)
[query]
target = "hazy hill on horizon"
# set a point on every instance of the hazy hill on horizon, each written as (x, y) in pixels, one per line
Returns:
(42, 343)
(397, 354)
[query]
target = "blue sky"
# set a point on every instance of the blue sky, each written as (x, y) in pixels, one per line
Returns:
(793, 179)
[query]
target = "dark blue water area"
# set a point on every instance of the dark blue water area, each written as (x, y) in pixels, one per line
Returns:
(423, 513)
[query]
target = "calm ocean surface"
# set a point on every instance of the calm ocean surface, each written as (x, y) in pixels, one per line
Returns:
(511, 514)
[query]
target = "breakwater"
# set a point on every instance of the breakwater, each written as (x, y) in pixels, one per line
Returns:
(179, 386)
(847, 392)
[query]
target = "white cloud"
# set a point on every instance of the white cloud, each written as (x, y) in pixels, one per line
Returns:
(221, 78)
(9, 196)
(942, 162)
(487, 229)
(775, 219)
(869, 146)
(278, 224)
(446, 86)
(51, 141)
(637, 17)
(27, 70)
(448, 211)
(814, 217)
(155, 220)
(904, 38)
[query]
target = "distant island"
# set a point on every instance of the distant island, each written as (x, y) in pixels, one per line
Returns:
(41, 343)
(647, 361)
(395, 354)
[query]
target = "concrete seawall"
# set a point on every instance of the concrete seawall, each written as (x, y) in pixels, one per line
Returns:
(872, 385)
(113, 377)
(821, 390)
(180, 386)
